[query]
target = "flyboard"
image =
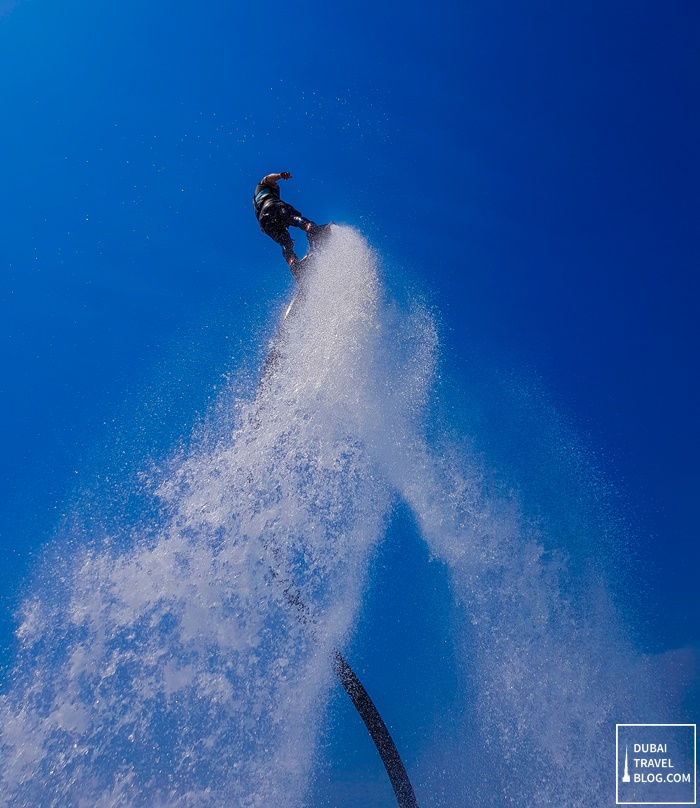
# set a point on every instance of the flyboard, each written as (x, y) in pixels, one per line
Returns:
(378, 730)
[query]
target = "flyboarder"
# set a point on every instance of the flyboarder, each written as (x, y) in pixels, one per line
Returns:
(276, 216)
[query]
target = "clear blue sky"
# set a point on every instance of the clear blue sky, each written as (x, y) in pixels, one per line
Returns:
(532, 168)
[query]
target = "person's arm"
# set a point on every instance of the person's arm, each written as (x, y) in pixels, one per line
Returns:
(271, 179)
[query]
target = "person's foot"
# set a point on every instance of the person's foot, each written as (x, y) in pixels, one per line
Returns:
(317, 232)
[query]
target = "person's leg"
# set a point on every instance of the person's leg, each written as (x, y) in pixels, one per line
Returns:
(287, 244)
(292, 218)
(301, 222)
(315, 233)
(274, 227)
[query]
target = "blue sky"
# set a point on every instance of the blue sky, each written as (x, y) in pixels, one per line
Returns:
(532, 170)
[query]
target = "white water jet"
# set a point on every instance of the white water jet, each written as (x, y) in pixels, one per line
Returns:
(192, 669)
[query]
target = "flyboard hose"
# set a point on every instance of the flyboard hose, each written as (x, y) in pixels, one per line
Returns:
(378, 730)
(364, 705)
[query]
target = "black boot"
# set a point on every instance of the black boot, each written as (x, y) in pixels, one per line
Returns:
(317, 233)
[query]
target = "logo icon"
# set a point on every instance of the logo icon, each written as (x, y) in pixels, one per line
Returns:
(626, 776)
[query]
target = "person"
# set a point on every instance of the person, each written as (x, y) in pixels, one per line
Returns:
(276, 216)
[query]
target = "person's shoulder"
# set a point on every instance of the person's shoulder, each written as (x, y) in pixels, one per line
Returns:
(267, 180)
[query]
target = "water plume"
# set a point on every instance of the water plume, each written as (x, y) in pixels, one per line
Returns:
(191, 665)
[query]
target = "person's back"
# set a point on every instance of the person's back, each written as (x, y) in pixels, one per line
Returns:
(266, 190)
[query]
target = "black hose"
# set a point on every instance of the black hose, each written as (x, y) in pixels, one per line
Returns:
(364, 705)
(378, 730)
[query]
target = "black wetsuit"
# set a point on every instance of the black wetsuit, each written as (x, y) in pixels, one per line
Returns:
(275, 216)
